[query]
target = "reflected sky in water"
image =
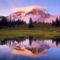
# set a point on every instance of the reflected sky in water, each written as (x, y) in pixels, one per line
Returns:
(47, 49)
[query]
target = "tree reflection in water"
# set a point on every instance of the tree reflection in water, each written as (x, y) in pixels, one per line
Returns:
(34, 45)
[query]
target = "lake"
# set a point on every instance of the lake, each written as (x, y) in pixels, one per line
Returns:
(30, 49)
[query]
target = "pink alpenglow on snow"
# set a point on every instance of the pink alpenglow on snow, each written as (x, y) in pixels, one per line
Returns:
(37, 13)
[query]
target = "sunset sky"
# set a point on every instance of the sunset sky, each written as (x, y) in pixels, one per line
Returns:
(6, 6)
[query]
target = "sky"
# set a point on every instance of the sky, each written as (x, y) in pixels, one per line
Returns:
(6, 6)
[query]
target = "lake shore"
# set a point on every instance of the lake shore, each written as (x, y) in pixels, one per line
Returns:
(45, 33)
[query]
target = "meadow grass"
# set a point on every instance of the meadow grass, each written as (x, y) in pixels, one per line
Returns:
(34, 32)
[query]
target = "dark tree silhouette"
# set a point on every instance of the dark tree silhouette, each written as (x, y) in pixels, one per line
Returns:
(56, 23)
(30, 39)
(30, 23)
(4, 22)
(57, 39)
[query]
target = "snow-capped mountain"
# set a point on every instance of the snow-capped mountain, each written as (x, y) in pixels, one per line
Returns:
(37, 13)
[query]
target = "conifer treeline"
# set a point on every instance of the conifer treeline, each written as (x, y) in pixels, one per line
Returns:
(4, 22)
(56, 23)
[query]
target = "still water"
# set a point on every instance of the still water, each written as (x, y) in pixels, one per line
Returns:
(30, 49)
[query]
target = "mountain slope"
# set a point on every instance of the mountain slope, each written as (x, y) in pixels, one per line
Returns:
(37, 14)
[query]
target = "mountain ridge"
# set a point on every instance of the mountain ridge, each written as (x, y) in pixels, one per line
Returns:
(38, 14)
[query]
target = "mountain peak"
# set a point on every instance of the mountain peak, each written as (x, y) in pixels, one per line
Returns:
(37, 13)
(29, 8)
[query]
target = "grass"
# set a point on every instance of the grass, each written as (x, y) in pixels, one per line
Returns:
(49, 32)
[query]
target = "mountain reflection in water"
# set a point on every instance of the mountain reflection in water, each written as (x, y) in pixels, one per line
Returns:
(42, 48)
(45, 44)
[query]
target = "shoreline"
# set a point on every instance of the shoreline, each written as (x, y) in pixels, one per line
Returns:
(41, 33)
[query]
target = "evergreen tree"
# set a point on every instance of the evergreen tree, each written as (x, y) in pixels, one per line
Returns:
(56, 23)
(30, 23)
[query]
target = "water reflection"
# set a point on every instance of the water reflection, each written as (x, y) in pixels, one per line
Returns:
(37, 44)
(48, 48)
(57, 39)
(45, 44)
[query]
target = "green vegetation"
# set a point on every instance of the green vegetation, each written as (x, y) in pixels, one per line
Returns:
(39, 31)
